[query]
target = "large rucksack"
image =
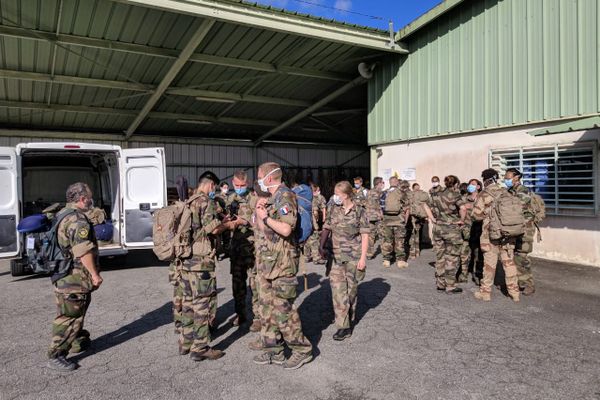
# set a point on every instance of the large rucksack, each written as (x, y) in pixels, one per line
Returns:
(416, 204)
(506, 219)
(538, 208)
(304, 224)
(44, 255)
(172, 231)
(393, 201)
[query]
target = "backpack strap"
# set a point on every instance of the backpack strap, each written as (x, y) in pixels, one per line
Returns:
(193, 198)
(56, 223)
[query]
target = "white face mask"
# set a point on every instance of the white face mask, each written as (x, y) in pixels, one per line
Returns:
(435, 184)
(261, 182)
(337, 200)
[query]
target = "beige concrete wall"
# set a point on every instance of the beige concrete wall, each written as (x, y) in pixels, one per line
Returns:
(569, 239)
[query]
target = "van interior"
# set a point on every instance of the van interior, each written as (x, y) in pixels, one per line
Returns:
(48, 173)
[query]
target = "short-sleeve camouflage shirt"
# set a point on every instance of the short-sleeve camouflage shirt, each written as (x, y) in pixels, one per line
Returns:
(446, 206)
(346, 227)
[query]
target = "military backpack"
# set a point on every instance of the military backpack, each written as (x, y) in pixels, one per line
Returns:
(393, 201)
(506, 219)
(172, 231)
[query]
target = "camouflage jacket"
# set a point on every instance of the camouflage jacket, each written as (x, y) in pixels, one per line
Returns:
(434, 192)
(346, 230)
(373, 207)
(524, 194)
(482, 209)
(470, 204)
(76, 236)
(242, 240)
(360, 196)
(204, 221)
(397, 220)
(319, 205)
(446, 206)
(278, 256)
(416, 200)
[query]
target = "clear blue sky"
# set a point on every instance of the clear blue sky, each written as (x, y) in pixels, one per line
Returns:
(401, 12)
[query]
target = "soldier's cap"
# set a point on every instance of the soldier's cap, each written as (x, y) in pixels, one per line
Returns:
(489, 173)
(209, 175)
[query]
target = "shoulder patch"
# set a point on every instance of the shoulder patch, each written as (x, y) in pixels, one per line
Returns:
(285, 210)
(83, 232)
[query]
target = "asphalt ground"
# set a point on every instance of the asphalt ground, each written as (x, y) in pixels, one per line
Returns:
(410, 342)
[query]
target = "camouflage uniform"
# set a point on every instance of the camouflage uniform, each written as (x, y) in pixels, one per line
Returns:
(311, 249)
(394, 232)
(434, 191)
(277, 266)
(72, 293)
(524, 244)
(492, 249)
(198, 279)
(175, 281)
(466, 250)
(375, 217)
(360, 196)
(447, 236)
(416, 199)
(223, 242)
(346, 230)
(242, 252)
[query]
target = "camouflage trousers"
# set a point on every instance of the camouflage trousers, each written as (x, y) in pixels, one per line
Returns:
(240, 266)
(68, 323)
(175, 280)
(199, 309)
(465, 258)
(344, 278)
(393, 242)
(254, 291)
(414, 243)
(448, 244)
(280, 321)
(524, 247)
(491, 253)
(375, 234)
(311, 247)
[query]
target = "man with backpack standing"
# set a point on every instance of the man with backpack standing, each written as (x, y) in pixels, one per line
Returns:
(374, 214)
(417, 199)
(502, 222)
(277, 266)
(395, 216)
(73, 287)
(524, 243)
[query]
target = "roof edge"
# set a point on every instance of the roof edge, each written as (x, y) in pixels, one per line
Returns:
(425, 19)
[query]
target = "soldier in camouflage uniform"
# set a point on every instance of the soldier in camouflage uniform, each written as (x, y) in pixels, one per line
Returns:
(448, 214)
(72, 290)
(467, 253)
(175, 265)
(435, 189)
(394, 228)
(524, 244)
(319, 210)
(277, 266)
(360, 192)
(494, 249)
(198, 277)
(224, 239)
(349, 227)
(375, 215)
(241, 204)
(416, 198)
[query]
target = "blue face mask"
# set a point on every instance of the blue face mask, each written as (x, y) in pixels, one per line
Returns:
(357, 185)
(471, 188)
(211, 194)
(508, 183)
(241, 191)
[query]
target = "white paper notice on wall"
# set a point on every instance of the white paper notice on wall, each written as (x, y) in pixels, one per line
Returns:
(30, 243)
(387, 174)
(408, 174)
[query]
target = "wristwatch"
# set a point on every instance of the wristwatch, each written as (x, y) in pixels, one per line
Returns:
(265, 220)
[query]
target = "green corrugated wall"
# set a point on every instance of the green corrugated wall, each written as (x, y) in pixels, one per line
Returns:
(488, 64)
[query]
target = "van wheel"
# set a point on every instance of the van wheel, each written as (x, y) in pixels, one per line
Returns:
(17, 268)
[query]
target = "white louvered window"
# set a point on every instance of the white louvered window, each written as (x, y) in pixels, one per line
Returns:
(565, 176)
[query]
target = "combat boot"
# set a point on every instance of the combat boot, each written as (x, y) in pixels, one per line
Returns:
(342, 334)
(255, 327)
(463, 278)
(269, 357)
(239, 320)
(528, 290)
(514, 296)
(60, 363)
(297, 360)
(455, 290)
(256, 345)
(402, 264)
(386, 263)
(210, 354)
(479, 295)
(80, 344)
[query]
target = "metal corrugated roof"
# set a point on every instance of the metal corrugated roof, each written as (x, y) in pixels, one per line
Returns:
(92, 65)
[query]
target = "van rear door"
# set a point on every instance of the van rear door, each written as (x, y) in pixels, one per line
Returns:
(9, 203)
(144, 190)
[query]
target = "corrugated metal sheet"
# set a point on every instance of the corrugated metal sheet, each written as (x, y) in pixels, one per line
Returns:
(191, 160)
(487, 64)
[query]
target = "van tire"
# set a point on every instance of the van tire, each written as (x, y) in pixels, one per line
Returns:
(17, 268)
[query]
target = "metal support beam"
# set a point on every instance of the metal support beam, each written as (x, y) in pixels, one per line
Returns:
(326, 125)
(324, 101)
(243, 14)
(114, 45)
(184, 56)
(238, 97)
(133, 113)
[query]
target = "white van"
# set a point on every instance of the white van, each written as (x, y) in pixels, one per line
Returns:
(129, 184)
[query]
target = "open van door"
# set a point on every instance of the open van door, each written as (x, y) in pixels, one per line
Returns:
(9, 203)
(144, 190)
